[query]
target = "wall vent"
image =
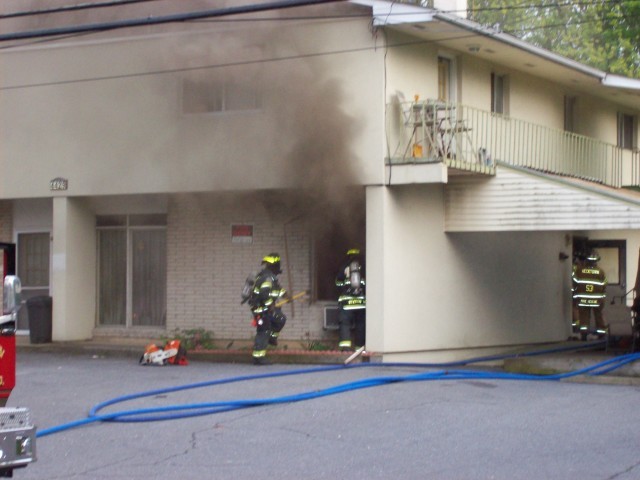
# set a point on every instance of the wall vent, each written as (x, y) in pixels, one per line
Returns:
(331, 318)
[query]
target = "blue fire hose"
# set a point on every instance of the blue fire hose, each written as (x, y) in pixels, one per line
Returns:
(445, 371)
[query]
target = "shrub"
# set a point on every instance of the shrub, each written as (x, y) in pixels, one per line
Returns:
(193, 339)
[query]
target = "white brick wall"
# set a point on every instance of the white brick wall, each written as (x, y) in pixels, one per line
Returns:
(206, 271)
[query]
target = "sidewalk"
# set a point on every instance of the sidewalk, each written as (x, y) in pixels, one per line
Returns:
(135, 347)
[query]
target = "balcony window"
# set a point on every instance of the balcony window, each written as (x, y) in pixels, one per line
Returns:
(627, 128)
(569, 114)
(444, 79)
(499, 93)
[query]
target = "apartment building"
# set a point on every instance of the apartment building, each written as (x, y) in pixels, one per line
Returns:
(147, 169)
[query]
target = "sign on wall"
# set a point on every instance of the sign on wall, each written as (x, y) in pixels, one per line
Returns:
(241, 233)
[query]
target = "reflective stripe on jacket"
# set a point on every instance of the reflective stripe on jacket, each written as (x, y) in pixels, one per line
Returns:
(589, 284)
(266, 290)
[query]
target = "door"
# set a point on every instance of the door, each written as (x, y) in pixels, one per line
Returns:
(613, 261)
(33, 268)
(132, 270)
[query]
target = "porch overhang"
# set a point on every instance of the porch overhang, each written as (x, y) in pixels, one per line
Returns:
(519, 199)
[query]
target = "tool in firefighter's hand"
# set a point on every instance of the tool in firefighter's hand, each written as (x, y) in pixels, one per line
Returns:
(291, 298)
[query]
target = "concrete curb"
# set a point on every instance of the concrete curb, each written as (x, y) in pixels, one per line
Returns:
(276, 356)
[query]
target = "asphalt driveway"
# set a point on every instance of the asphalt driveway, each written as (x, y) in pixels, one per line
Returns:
(453, 428)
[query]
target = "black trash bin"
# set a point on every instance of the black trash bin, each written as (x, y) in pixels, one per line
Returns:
(39, 310)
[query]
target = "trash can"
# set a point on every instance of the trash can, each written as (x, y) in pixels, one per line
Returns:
(39, 310)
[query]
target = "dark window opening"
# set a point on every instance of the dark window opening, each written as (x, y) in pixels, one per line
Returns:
(332, 239)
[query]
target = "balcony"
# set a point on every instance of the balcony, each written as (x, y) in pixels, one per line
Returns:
(468, 140)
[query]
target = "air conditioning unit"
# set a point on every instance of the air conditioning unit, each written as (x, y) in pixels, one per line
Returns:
(331, 318)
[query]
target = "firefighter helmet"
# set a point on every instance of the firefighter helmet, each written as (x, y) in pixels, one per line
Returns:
(593, 256)
(272, 262)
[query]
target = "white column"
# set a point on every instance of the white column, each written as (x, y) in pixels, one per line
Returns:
(375, 200)
(73, 278)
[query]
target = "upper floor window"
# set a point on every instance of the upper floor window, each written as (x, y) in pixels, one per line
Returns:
(569, 114)
(444, 79)
(213, 94)
(627, 128)
(499, 93)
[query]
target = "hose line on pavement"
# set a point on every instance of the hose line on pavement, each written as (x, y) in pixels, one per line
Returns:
(443, 371)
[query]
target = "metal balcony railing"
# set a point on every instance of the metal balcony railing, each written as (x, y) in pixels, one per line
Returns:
(471, 139)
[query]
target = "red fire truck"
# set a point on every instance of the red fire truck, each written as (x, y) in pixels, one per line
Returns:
(17, 433)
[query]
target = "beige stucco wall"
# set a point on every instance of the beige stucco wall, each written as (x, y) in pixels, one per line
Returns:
(411, 69)
(597, 119)
(441, 292)
(98, 115)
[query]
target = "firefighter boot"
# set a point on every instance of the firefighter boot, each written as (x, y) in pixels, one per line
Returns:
(261, 361)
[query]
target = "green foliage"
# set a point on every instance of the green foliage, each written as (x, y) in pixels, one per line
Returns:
(193, 339)
(604, 34)
(315, 346)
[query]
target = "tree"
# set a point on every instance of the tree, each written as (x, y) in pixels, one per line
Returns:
(602, 33)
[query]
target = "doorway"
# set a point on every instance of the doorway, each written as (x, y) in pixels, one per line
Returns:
(132, 271)
(613, 261)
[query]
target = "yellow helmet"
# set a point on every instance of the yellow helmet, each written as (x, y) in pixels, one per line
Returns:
(272, 261)
(353, 251)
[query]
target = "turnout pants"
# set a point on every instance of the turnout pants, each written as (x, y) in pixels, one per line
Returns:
(269, 326)
(584, 317)
(352, 322)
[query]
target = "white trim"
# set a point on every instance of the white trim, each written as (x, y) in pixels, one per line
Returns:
(393, 13)
(617, 81)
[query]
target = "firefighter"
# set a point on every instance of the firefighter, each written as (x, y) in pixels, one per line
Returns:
(267, 317)
(352, 303)
(589, 284)
(578, 263)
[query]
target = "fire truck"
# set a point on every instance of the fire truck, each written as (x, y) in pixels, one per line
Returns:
(17, 433)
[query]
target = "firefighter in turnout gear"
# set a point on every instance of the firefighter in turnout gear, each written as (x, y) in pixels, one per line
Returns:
(267, 317)
(589, 284)
(352, 301)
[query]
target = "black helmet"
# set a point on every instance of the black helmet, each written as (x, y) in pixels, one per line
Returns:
(593, 256)
(272, 262)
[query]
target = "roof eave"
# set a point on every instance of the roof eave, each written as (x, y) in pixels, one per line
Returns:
(387, 13)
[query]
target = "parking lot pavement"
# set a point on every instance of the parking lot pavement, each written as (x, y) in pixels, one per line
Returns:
(453, 428)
